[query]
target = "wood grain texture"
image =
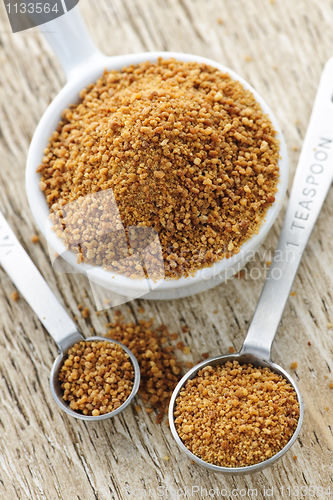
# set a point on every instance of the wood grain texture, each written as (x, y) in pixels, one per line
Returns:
(280, 48)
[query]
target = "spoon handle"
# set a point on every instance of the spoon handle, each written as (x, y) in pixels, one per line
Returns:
(32, 286)
(312, 181)
(70, 40)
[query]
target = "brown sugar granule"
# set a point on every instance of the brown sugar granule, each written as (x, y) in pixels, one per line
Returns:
(188, 364)
(160, 371)
(180, 345)
(240, 275)
(331, 386)
(14, 296)
(309, 343)
(35, 238)
(293, 294)
(236, 415)
(293, 365)
(174, 336)
(205, 355)
(159, 417)
(85, 312)
(184, 150)
(97, 377)
(231, 349)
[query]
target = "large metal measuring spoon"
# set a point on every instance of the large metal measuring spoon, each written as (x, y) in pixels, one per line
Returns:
(312, 181)
(32, 286)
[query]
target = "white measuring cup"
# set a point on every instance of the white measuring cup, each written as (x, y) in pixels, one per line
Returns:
(83, 64)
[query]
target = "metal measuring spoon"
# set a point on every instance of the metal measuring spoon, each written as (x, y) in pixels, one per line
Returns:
(312, 181)
(32, 286)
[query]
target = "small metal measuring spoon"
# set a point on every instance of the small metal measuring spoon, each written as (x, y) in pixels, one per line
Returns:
(32, 286)
(312, 181)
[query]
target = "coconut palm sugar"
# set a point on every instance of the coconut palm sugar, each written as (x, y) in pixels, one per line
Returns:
(236, 415)
(96, 377)
(160, 371)
(182, 149)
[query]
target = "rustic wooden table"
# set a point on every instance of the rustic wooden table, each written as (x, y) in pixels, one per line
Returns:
(280, 47)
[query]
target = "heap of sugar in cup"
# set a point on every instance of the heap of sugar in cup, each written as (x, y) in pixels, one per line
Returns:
(183, 149)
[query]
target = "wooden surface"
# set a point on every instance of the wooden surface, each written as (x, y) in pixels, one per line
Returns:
(280, 48)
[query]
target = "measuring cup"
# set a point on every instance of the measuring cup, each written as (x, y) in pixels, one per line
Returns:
(312, 181)
(84, 64)
(32, 286)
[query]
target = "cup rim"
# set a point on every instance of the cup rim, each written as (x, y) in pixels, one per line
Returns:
(89, 72)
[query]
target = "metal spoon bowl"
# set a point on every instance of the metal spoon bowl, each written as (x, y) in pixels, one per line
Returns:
(242, 358)
(312, 181)
(57, 391)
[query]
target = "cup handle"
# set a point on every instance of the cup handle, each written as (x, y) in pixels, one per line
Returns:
(70, 40)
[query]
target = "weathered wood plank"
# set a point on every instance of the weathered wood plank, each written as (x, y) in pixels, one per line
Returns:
(280, 47)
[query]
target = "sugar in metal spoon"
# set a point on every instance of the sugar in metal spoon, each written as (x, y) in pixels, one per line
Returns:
(312, 181)
(32, 286)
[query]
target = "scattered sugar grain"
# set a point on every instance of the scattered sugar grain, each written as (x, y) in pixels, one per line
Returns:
(160, 370)
(14, 296)
(85, 312)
